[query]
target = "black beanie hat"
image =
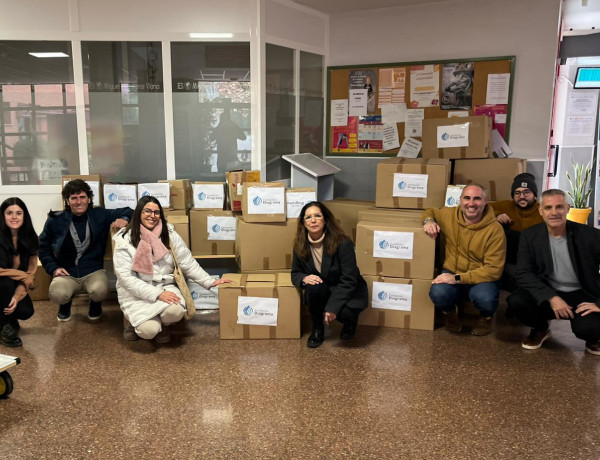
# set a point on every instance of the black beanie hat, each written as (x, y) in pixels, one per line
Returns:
(525, 180)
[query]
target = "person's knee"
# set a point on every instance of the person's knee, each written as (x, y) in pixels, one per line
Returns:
(25, 309)
(316, 294)
(442, 295)
(585, 329)
(172, 314)
(59, 293)
(148, 329)
(98, 290)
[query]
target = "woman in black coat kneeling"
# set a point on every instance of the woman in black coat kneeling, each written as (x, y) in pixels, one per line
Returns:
(324, 265)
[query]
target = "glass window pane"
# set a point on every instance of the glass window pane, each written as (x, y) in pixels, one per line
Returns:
(211, 108)
(280, 110)
(125, 112)
(311, 103)
(38, 127)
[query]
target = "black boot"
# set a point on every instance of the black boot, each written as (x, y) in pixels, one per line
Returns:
(95, 312)
(64, 312)
(349, 328)
(9, 338)
(316, 337)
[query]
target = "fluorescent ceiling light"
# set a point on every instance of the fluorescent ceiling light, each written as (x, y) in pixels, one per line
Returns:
(49, 55)
(210, 35)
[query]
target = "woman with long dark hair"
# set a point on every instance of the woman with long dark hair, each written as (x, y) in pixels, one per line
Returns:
(143, 264)
(18, 263)
(324, 266)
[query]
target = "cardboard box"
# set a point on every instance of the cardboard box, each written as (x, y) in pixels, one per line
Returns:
(480, 138)
(159, 190)
(453, 194)
(265, 246)
(263, 202)
(495, 174)
(382, 215)
(412, 296)
(412, 184)
(204, 299)
(390, 249)
(180, 193)
(181, 224)
(346, 213)
(235, 188)
(296, 198)
(119, 195)
(208, 195)
(270, 286)
(41, 284)
(219, 239)
(93, 180)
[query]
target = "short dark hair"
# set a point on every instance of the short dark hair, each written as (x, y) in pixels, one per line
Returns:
(27, 238)
(75, 187)
(136, 221)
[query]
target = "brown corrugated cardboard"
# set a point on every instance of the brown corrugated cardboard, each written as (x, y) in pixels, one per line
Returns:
(381, 215)
(346, 213)
(278, 286)
(495, 174)
(181, 225)
(265, 246)
(480, 138)
(420, 266)
(420, 316)
(95, 182)
(259, 202)
(438, 177)
(41, 284)
(235, 181)
(181, 193)
(200, 244)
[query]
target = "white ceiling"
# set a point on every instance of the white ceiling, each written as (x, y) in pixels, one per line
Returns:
(336, 6)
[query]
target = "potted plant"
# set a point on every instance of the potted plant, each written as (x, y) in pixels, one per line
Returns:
(580, 192)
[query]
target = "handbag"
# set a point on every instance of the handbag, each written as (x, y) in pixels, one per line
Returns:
(190, 306)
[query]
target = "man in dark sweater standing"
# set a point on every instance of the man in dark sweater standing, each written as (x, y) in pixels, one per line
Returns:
(72, 248)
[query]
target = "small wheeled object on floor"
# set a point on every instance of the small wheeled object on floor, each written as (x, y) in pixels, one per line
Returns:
(6, 382)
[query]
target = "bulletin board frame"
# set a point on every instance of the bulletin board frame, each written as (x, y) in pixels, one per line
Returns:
(338, 88)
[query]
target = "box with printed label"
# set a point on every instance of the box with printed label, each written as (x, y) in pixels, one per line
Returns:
(265, 246)
(208, 195)
(120, 195)
(93, 180)
(411, 183)
(392, 249)
(453, 194)
(264, 202)
(495, 174)
(398, 302)
(180, 193)
(296, 198)
(180, 221)
(235, 187)
(41, 284)
(346, 212)
(259, 306)
(464, 137)
(212, 232)
(381, 215)
(204, 299)
(159, 190)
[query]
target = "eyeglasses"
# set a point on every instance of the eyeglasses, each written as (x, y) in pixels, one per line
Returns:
(525, 193)
(308, 217)
(149, 212)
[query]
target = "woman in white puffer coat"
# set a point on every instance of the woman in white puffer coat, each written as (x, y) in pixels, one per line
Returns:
(143, 264)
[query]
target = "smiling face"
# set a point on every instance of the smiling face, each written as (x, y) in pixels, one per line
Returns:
(554, 209)
(79, 203)
(14, 216)
(472, 203)
(523, 198)
(314, 222)
(150, 216)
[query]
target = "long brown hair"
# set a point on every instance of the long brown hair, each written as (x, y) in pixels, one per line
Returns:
(334, 235)
(136, 221)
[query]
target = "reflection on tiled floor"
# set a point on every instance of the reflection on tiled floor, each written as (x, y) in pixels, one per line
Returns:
(82, 392)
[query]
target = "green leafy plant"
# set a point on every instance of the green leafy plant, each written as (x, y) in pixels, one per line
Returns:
(580, 184)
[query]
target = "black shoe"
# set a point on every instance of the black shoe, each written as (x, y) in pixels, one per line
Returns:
(9, 338)
(348, 330)
(64, 312)
(14, 322)
(316, 338)
(95, 312)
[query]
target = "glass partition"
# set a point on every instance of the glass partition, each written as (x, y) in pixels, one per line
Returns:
(311, 104)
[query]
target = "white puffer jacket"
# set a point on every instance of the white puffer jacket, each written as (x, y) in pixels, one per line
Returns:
(138, 293)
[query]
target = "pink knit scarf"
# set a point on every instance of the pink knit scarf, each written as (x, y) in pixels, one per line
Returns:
(149, 250)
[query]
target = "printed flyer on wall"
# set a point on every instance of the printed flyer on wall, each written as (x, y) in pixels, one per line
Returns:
(457, 84)
(364, 79)
(424, 86)
(392, 86)
(370, 134)
(344, 137)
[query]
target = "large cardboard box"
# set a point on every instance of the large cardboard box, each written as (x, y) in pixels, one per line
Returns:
(396, 250)
(181, 222)
(480, 137)
(208, 195)
(346, 212)
(212, 232)
(235, 187)
(296, 198)
(495, 174)
(398, 302)
(93, 180)
(263, 202)
(382, 215)
(413, 184)
(41, 284)
(269, 286)
(180, 193)
(265, 246)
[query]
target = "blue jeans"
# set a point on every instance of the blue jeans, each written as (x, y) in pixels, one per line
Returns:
(483, 295)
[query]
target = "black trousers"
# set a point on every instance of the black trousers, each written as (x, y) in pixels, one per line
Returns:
(24, 308)
(316, 297)
(525, 308)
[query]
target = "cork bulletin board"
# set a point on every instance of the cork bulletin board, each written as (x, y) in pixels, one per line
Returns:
(465, 86)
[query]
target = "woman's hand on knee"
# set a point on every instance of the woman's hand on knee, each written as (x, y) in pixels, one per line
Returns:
(312, 279)
(11, 306)
(329, 317)
(169, 297)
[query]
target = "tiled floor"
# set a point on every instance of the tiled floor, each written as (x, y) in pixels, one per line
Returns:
(82, 392)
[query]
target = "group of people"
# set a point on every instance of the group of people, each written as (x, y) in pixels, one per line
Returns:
(550, 265)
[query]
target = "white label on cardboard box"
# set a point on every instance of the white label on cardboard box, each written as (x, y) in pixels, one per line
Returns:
(94, 185)
(208, 196)
(453, 136)
(453, 193)
(260, 311)
(393, 245)
(220, 228)
(266, 200)
(204, 299)
(410, 185)
(392, 296)
(295, 201)
(120, 196)
(159, 190)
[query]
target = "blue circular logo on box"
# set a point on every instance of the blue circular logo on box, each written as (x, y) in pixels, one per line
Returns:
(382, 295)
(216, 228)
(452, 201)
(146, 193)
(195, 295)
(257, 201)
(202, 196)
(248, 310)
(445, 136)
(383, 244)
(112, 197)
(401, 185)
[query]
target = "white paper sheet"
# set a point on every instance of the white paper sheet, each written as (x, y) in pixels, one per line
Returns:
(410, 148)
(497, 88)
(258, 310)
(390, 136)
(357, 103)
(393, 245)
(220, 228)
(453, 136)
(410, 185)
(392, 296)
(208, 196)
(339, 112)
(266, 200)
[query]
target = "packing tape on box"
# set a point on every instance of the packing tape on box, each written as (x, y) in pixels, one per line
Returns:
(246, 331)
(288, 260)
(265, 263)
(492, 190)
(213, 249)
(381, 319)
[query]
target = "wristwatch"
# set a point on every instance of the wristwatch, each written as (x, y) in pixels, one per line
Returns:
(457, 278)
(427, 219)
